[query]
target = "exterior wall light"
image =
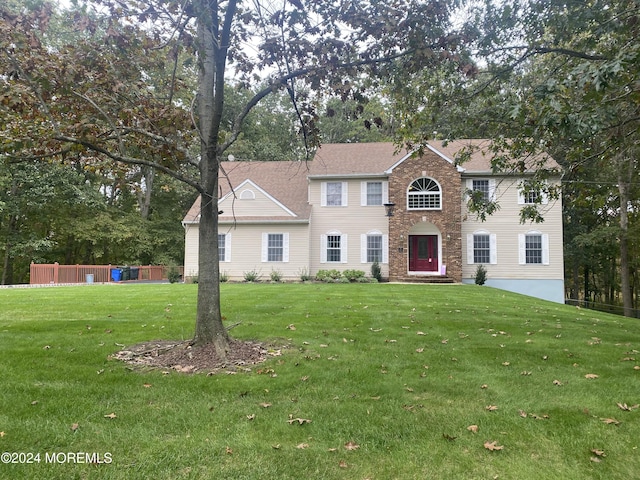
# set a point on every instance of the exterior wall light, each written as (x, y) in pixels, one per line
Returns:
(389, 209)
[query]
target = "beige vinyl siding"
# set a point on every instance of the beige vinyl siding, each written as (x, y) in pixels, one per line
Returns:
(191, 250)
(352, 220)
(247, 250)
(505, 225)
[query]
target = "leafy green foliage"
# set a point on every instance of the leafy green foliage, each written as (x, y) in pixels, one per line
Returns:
(376, 271)
(480, 277)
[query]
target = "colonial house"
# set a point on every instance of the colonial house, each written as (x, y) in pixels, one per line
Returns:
(297, 218)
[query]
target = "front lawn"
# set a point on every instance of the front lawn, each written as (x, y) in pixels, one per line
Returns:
(375, 381)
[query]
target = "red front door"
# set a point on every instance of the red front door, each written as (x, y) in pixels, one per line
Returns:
(423, 253)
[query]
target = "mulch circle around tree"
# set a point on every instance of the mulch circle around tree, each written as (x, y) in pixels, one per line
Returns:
(182, 357)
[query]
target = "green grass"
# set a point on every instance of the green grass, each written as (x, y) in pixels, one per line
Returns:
(397, 369)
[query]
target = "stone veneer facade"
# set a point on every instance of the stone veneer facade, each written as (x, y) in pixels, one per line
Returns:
(447, 220)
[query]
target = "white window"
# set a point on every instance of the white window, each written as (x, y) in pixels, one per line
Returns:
(224, 247)
(275, 247)
(247, 195)
(374, 193)
(333, 248)
(533, 248)
(334, 194)
(528, 196)
(482, 248)
(424, 194)
(487, 186)
(374, 247)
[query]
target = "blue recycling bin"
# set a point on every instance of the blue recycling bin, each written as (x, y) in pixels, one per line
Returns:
(116, 274)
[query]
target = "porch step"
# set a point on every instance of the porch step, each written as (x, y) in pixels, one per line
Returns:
(427, 279)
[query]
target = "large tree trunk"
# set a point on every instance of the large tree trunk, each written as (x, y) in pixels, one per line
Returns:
(213, 43)
(625, 282)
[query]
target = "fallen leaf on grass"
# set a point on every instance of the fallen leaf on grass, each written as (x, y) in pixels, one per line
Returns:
(419, 350)
(522, 413)
(111, 415)
(305, 378)
(251, 417)
(591, 375)
(506, 364)
(473, 428)
(610, 421)
(493, 445)
(2, 434)
(351, 446)
(302, 446)
(291, 327)
(491, 408)
(637, 367)
(74, 427)
(484, 386)
(343, 464)
(557, 383)
(228, 451)
(146, 385)
(35, 402)
(420, 333)
(301, 421)
(446, 436)
(276, 447)
(625, 407)
(265, 405)
(598, 453)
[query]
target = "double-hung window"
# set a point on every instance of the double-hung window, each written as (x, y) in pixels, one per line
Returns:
(533, 248)
(530, 194)
(374, 247)
(275, 247)
(482, 248)
(334, 194)
(373, 193)
(333, 248)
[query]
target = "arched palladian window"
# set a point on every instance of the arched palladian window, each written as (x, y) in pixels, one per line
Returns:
(424, 194)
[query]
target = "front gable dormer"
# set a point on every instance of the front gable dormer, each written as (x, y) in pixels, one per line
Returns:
(248, 199)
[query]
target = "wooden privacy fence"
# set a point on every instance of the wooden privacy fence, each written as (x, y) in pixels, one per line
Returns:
(52, 273)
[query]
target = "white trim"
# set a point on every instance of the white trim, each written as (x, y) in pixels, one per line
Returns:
(247, 194)
(429, 147)
(364, 244)
(343, 248)
(522, 247)
(493, 247)
(544, 198)
(344, 194)
(227, 247)
(265, 247)
(364, 189)
(285, 247)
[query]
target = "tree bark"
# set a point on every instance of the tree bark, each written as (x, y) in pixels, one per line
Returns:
(625, 282)
(213, 40)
